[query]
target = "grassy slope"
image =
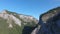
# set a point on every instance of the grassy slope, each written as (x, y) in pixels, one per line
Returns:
(5, 30)
(16, 29)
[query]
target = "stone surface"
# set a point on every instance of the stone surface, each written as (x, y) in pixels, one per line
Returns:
(49, 22)
(14, 23)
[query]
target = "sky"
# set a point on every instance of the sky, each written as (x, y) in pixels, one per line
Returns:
(29, 7)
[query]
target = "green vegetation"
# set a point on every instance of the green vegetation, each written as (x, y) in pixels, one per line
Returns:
(16, 29)
(5, 30)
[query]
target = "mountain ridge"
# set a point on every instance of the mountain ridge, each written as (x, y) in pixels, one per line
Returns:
(16, 23)
(49, 22)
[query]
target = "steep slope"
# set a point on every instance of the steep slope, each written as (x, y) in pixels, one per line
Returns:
(49, 22)
(13, 23)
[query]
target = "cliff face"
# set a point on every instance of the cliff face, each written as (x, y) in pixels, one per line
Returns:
(49, 22)
(14, 23)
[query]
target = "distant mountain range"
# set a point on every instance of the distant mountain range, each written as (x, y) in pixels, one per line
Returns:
(14, 23)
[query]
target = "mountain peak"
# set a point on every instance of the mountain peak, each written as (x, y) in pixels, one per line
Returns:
(58, 7)
(50, 13)
(4, 11)
(49, 22)
(14, 23)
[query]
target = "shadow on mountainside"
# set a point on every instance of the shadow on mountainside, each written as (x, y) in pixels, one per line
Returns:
(28, 29)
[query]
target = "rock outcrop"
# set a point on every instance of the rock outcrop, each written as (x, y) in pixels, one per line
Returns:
(14, 23)
(49, 22)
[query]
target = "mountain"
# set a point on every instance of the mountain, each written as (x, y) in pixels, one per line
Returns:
(49, 22)
(14, 23)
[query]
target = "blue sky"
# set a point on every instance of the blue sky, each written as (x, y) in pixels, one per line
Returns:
(29, 7)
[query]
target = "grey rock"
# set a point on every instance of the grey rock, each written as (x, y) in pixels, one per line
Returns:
(50, 22)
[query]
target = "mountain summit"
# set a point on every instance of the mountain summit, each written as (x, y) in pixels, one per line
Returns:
(14, 23)
(49, 22)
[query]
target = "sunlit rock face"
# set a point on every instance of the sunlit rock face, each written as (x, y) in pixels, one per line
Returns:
(49, 22)
(14, 23)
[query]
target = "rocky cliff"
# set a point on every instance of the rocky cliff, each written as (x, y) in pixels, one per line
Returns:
(14, 23)
(49, 22)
